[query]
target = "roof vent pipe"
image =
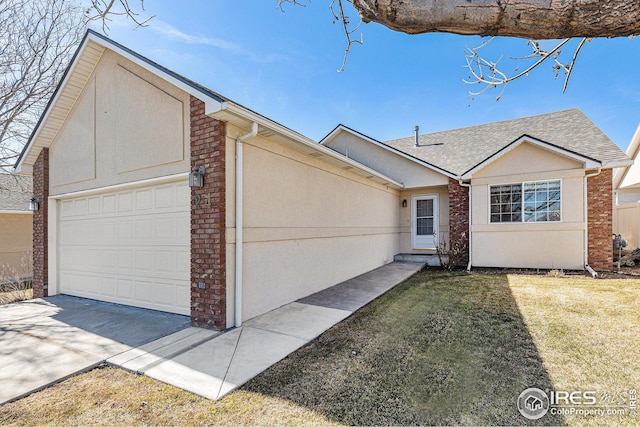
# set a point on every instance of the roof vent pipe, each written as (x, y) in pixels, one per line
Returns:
(416, 129)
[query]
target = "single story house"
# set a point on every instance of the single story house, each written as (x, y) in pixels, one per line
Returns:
(160, 193)
(626, 187)
(16, 225)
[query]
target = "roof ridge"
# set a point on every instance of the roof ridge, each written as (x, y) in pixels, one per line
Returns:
(498, 122)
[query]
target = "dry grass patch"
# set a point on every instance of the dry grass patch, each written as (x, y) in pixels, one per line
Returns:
(588, 334)
(439, 349)
(112, 397)
(459, 349)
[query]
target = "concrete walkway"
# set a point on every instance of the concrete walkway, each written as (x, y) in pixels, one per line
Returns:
(43, 341)
(212, 364)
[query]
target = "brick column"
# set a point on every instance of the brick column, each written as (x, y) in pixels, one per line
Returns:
(600, 220)
(208, 257)
(459, 218)
(40, 226)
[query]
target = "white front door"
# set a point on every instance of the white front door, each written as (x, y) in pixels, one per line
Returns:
(424, 221)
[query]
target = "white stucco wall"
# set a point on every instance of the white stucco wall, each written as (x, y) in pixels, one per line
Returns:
(408, 172)
(307, 225)
(530, 245)
(127, 125)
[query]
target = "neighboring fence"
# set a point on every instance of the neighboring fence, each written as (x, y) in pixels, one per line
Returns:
(626, 221)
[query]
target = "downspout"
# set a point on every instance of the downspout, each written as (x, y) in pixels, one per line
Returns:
(591, 271)
(239, 220)
(464, 184)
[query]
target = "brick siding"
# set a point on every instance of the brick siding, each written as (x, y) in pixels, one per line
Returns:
(40, 226)
(459, 218)
(208, 257)
(600, 220)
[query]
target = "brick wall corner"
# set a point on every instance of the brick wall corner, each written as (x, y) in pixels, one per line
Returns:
(208, 206)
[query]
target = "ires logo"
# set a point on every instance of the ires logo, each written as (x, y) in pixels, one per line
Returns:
(534, 403)
(572, 398)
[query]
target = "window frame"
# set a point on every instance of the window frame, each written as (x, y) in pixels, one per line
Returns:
(522, 202)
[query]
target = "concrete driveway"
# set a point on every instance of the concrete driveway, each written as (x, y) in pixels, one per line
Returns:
(43, 341)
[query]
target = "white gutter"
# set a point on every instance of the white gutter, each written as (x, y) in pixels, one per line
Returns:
(239, 220)
(250, 116)
(586, 223)
(464, 184)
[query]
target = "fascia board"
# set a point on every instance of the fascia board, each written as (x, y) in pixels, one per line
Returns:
(632, 153)
(251, 116)
(587, 162)
(341, 128)
(210, 101)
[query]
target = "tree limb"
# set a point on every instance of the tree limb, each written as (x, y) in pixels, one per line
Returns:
(530, 19)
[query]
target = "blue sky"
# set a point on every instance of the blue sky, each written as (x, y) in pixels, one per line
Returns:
(284, 66)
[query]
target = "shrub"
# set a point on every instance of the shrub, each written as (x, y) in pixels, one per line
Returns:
(456, 253)
(15, 282)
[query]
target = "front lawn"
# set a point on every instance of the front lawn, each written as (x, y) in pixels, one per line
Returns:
(441, 348)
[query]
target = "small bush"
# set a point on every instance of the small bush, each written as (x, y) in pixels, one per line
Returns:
(456, 253)
(15, 282)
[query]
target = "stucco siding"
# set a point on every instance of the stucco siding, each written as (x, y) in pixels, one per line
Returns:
(527, 158)
(16, 243)
(127, 125)
(405, 218)
(408, 172)
(307, 225)
(530, 245)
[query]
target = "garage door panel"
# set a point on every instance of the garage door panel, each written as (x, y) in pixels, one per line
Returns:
(124, 288)
(129, 247)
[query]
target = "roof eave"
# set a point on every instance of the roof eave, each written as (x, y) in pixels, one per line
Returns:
(588, 163)
(396, 151)
(632, 153)
(242, 117)
(211, 100)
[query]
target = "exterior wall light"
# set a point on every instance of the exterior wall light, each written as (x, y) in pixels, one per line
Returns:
(34, 204)
(196, 177)
(404, 203)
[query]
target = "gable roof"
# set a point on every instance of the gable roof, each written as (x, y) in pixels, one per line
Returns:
(632, 152)
(342, 128)
(87, 57)
(15, 192)
(459, 151)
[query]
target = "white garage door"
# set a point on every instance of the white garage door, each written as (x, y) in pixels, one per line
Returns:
(129, 247)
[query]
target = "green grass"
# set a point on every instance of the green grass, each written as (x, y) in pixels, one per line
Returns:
(441, 348)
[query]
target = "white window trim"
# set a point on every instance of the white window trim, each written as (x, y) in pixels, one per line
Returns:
(522, 221)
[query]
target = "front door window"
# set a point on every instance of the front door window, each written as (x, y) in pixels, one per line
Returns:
(425, 222)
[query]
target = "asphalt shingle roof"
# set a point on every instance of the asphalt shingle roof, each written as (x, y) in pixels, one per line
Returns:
(459, 150)
(15, 192)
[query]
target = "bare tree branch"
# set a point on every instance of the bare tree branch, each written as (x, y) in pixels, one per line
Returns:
(38, 39)
(488, 74)
(339, 15)
(103, 10)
